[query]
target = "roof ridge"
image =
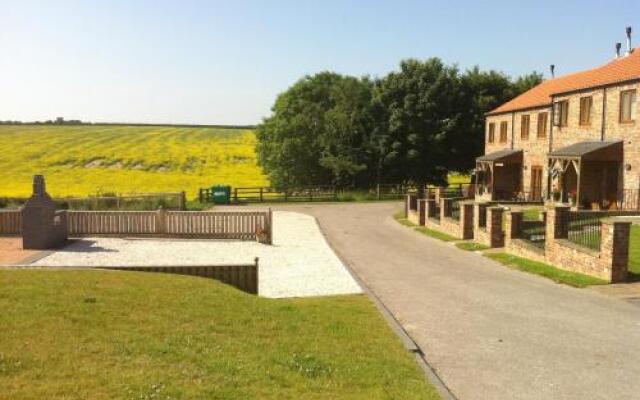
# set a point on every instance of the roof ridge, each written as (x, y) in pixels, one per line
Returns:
(621, 69)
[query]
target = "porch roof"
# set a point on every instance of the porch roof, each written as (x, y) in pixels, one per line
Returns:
(582, 149)
(500, 155)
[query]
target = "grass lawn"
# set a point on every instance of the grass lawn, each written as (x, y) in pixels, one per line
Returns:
(129, 335)
(546, 270)
(471, 246)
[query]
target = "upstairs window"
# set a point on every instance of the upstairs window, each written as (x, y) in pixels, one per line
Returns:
(561, 113)
(628, 106)
(524, 127)
(492, 132)
(503, 131)
(542, 125)
(586, 105)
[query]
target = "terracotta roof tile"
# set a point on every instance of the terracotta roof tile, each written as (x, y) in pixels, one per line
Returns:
(622, 69)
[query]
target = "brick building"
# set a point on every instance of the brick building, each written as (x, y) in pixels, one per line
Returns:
(573, 139)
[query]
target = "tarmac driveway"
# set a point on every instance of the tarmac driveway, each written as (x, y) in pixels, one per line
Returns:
(489, 332)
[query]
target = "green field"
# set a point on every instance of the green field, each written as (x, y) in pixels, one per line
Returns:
(86, 160)
(134, 335)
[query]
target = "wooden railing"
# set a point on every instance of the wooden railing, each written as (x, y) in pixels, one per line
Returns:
(239, 225)
(10, 222)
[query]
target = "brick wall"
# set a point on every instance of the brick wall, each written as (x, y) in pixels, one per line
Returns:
(610, 263)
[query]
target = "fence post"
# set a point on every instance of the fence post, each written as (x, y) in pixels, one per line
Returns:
(466, 219)
(270, 240)
(161, 216)
(422, 212)
(235, 194)
(200, 196)
(494, 226)
(378, 191)
(183, 200)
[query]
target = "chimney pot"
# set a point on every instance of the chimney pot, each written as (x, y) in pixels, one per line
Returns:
(552, 67)
(628, 40)
(618, 47)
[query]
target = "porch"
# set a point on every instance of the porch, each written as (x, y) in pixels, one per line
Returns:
(587, 175)
(499, 176)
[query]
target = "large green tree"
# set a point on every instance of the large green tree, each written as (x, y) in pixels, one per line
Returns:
(315, 133)
(410, 126)
(423, 106)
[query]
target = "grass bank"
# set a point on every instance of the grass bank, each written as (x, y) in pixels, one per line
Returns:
(128, 335)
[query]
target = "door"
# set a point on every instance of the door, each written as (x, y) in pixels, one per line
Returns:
(536, 183)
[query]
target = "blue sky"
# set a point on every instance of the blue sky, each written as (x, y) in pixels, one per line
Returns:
(224, 62)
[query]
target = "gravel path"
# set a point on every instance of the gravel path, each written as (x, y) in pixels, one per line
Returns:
(299, 264)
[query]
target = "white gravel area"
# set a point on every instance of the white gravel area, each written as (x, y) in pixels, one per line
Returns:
(300, 263)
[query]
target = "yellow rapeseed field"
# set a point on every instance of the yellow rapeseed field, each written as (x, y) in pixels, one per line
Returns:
(87, 160)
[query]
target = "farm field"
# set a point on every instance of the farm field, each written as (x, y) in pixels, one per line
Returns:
(90, 159)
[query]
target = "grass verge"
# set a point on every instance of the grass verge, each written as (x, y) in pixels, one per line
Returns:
(112, 335)
(435, 234)
(546, 270)
(399, 216)
(471, 246)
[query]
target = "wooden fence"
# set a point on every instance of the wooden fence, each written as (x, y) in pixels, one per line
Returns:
(241, 276)
(10, 222)
(267, 194)
(239, 225)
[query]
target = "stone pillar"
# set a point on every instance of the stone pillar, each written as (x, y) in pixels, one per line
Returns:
(512, 226)
(556, 216)
(614, 248)
(466, 219)
(422, 211)
(494, 226)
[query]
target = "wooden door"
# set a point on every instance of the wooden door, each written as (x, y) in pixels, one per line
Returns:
(536, 182)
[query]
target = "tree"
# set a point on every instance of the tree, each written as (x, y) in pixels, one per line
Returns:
(411, 126)
(314, 135)
(422, 106)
